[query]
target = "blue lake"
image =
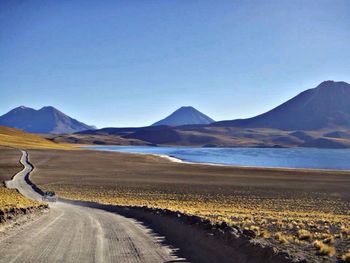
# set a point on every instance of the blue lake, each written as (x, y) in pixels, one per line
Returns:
(260, 157)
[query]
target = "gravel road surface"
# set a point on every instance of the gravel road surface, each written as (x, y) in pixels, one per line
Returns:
(73, 233)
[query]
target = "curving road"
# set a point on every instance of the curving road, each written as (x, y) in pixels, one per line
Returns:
(18, 181)
(72, 233)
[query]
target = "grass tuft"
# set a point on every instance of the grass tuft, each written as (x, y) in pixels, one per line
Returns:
(304, 234)
(10, 198)
(324, 249)
(281, 238)
(346, 256)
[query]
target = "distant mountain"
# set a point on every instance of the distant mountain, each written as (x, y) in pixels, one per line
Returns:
(326, 106)
(185, 116)
(46, 120)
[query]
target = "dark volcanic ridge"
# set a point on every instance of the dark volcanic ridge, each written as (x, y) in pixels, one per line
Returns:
(323, 107)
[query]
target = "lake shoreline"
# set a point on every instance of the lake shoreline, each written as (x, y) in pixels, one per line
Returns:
(176, 159)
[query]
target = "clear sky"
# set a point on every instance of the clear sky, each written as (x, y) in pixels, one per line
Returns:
(131, 63)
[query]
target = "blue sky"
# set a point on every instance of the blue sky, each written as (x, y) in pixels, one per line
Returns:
(131, 63)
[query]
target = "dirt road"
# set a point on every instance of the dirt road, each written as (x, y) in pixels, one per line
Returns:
(72, 233)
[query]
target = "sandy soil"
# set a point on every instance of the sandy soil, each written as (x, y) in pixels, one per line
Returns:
(109, 168)
(9, 163)
(71, 233)
(279, 201)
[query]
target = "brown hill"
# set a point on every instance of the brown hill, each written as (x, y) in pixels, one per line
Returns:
(14, 138)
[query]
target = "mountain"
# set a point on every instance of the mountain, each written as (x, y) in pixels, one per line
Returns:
(185, 116)
(324, 107)
(46, 120)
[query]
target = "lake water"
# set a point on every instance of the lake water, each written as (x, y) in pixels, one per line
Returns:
(260, 157)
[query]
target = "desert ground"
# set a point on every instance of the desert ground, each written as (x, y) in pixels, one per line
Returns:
(9, 163)
(74, 233)
(304, 213)
(301, 212)
(12, 203)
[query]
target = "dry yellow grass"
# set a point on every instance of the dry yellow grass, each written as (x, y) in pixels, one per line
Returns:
(324, 249)
(9, 165)
(346, 256)
(304, 234)
(289, 208)
(290, 222)
(10, 199)
(14, 138)
(281, 238)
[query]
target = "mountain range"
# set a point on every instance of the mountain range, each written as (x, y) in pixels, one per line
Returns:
(45, 120)
(318, 117)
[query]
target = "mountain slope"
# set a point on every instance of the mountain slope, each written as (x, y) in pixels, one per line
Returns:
(45, 120)
(326, 106)
(185, 116)
(14, 138)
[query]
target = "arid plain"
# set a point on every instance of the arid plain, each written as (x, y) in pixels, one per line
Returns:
(302, 212)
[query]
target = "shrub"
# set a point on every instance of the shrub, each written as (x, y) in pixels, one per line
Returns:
(281, 238)
(329, 239)
(304, 234)
(10, 198)
(346, 256)
(324, 249)
(265, 234)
